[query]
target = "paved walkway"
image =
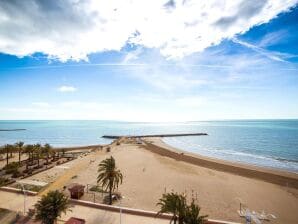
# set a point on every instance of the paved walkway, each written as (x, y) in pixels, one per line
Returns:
(61, 181)
(15, 202)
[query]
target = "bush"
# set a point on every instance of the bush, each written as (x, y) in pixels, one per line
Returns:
(97, 189)
(29, 187)
(16, 174)
(29, 171)
(12, 168)
(108, 149)
(3, 181)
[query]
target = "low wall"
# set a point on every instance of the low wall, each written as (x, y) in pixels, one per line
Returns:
(18, 191)
(117, 209)
(137, 212)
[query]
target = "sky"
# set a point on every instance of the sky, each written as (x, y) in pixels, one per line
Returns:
(148, 61)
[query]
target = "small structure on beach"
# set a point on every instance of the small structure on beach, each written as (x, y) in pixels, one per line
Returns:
(76, 191)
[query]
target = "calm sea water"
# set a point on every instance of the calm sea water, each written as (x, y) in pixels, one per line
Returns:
(269, 143)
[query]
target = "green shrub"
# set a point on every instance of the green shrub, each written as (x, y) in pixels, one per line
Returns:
(12, 168)
(3, 181)
(97, 189)
(29, 187)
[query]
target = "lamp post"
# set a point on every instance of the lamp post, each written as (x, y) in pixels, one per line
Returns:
(24, 191)
(120, 210)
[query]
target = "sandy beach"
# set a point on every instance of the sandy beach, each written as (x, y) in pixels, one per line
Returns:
(147, 175)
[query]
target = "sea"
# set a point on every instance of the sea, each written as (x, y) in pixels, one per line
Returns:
(264, 143)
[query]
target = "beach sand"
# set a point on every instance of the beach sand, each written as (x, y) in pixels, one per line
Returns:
(147, 175)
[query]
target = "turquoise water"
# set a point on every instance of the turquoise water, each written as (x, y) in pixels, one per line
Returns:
(269, 143)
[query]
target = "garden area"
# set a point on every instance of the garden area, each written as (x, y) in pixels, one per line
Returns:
(19, 161)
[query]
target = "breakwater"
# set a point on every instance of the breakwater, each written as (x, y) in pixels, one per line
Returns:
(147, 136)
(18, 129)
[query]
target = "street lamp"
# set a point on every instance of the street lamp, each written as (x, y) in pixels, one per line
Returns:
(24, 191)
(120, 210)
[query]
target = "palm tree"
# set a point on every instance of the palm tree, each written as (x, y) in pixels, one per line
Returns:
(173, 203)
(37, 151)
(1, 152)
(109, 176)
(47, 150)
(20, 147)
(29, 150)
(51, 206)
(8, 149)
(192, 214)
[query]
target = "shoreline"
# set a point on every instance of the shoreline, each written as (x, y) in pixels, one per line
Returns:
(275, 176)
(158, 146)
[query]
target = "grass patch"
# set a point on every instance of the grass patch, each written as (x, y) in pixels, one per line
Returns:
(29, 187)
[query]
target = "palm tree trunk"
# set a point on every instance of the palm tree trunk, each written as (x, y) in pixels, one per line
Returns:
(6, 156)
(20, 157)
(47, 159)
(110, 194)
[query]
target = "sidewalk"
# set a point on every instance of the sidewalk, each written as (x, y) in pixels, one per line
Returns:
(15, 202)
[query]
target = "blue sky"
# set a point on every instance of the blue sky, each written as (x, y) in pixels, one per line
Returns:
(239, 68)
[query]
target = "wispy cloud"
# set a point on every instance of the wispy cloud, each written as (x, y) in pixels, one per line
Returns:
(273, 38)
(132, 56)
(67, 89)
(276, 56)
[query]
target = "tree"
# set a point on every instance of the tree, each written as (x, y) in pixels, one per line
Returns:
(173, 203)
(12, 168)
(109, 176)
(20, 147)
(192, 214)
(47, 150)
(51, 206)
(29, 150)
(176, 204)
(37, 151)
(8, 149)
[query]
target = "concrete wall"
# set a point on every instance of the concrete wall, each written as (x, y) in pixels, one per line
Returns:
(18, 191)
(138, 212)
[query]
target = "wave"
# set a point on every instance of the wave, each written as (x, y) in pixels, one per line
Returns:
(236, 156)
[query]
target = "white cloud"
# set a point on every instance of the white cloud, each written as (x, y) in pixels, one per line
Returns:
(72, 29)
(67, 89)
